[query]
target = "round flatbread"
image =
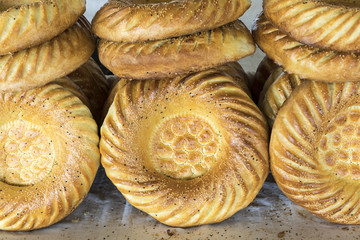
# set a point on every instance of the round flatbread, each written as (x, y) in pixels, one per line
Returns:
(187, 151)
(314, 149)
(48, 156)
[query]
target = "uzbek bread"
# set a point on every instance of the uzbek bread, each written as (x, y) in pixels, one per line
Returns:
(188, 151)
(144, 20)
(314, 149)
(48, 156)
(177, 56)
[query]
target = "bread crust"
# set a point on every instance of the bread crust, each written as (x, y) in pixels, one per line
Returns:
(144, 20)
(177, 56)
(306, 61)
(276, 91)
(49, 156)
(218, 113)
(263, 71)
(24, 25)
(92, 82)
(328, 24)
(314, 149)
(232, 69)
(44, 63)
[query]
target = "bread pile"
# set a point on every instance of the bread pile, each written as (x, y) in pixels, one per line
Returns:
(313, 100)
(48, 138)
(182, 139)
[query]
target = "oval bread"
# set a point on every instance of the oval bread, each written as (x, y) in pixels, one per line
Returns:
(41, 64)
(144, 20)
(329, 24)
(24, 24)
(177, 56)
(303, 60)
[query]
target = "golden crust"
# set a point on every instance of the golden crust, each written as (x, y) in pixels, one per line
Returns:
(303, 60)
(231, 69)
(56, 58)
(177, 56)
(72, 87)
(49, 156)
(93, 84)
(265, 68)
(330, 24)
(24, 24)
(188, 151)
(144, 20)
(314, 150)
(277, 90)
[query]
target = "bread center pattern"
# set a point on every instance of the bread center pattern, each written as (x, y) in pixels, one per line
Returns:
(339, 148)
(26, 153)
(184, 147)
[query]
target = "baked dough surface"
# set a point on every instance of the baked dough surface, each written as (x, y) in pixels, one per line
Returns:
(177, 56)
(26, 23)
(314, 149)
(187, 151)
(329, 24)
(306, 61)
(277, 89)
(48, 156)
(42, 64)
(144, 20)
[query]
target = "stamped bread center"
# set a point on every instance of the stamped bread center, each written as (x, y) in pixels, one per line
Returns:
(26, 153)
(184, 147)
(339, 148)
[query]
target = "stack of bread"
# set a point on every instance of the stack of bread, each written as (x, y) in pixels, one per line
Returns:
(182, 139)
(313, 99)
(48, 138)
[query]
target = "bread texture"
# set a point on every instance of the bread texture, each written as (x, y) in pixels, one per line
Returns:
(231, 69)
(177, 56)
(144, 20)
(265, 68)
(277, 90)
(92, 82)
(24, 24)
(314, 149)
(306, 61)
(72, 87)
(44, 63)
(49, 156)
(329, 24)
(188, 151)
